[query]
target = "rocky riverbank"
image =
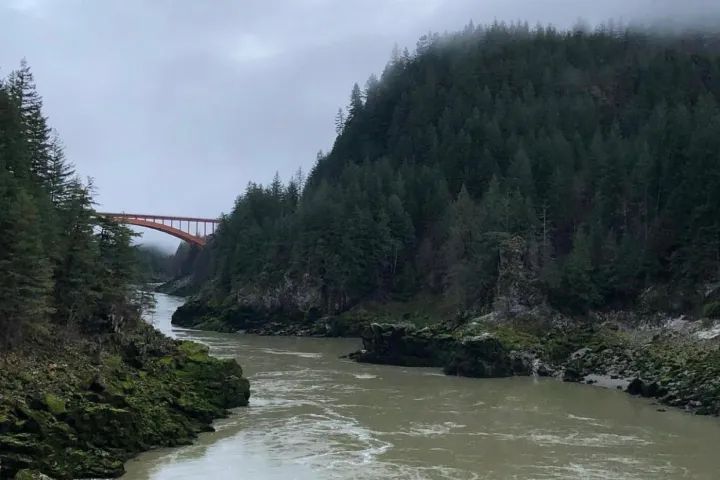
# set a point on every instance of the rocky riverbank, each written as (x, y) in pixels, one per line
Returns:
(182, 286)
(80, 408)
(676, 366)
(200, 315)
(676, 362)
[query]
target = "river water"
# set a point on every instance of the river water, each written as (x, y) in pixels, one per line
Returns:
(313, 416)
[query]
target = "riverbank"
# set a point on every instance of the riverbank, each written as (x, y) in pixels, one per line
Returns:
(73, 406)
(675, 362)
(679, 367)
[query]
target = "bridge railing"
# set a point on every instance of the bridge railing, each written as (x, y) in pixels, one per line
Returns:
(191, 229)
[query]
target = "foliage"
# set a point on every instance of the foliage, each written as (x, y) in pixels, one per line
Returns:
(57, 266)
(599, 148)
(155, 264)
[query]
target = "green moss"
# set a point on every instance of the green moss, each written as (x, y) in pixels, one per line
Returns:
(55, 404)
(167, 361)
(514, 338)
(117, 409)
(113, 361)
(26, 474)
(192, 348)
(421, 310)
(195, 351)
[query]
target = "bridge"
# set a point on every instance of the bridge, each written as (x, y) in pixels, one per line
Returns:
(190, 229)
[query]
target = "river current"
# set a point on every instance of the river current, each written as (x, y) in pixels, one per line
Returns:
(313, 416)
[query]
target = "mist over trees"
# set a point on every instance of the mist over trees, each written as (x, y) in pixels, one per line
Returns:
(599, 149)
(60, 264)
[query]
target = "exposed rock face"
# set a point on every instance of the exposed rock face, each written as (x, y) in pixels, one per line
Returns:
(518, 290)
(403, 345)
(292, 307)
(480, 356)
(180, 286)
(474, 356)
(200, 315)
(300, 295)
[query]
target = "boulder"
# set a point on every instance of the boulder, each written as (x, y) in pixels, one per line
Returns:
(635, 387)
(399, 344)
(572, 374)
(481, 356)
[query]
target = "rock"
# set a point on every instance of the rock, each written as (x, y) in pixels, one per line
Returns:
(572, 374)
(635, 387)
(110, 410)
(401, 345)
(482, 356)
(26, 474)
(518, 289)
(652, 390)
(54, 404)
(543, 370)
(646, 389)
(578, 354)
(522, 363)
(97, 384)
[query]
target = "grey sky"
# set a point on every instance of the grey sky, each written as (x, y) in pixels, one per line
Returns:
(173, 106)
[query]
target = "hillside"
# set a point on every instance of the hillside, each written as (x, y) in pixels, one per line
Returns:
(85, 384)
(495, 165)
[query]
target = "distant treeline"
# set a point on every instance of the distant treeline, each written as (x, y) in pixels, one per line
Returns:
(61, 267)
(156, 265)
(600, 149)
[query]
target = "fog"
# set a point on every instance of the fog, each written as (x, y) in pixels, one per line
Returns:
(173, 106)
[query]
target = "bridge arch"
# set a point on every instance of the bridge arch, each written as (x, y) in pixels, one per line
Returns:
(190, 229)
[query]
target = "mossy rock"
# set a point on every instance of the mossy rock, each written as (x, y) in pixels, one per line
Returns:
(195, 351)
(26, 474)
(85, 420)
(54, 404)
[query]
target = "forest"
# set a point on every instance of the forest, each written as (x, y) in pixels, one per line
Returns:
(599, 149)
(63, 269)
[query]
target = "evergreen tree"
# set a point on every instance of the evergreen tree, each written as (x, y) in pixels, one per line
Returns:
(598, 148)
(25, 283)
(56, 276)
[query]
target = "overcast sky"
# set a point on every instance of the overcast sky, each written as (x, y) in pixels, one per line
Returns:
(173, 106)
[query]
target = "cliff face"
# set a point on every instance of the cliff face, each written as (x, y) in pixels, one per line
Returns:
(295, 306)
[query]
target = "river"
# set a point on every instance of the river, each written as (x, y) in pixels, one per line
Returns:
(313, 416)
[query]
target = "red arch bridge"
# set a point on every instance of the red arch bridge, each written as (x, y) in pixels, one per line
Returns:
(192, 230)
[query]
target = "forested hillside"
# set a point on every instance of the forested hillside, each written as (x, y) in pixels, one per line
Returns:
(599, 150)
(84, 383)
(61, 267)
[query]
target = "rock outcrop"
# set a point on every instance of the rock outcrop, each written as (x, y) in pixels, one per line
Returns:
(482, 355)
(675, 371)
(66, 416)
(518, 290)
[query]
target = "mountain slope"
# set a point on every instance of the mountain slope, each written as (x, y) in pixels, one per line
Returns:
(597, 152)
